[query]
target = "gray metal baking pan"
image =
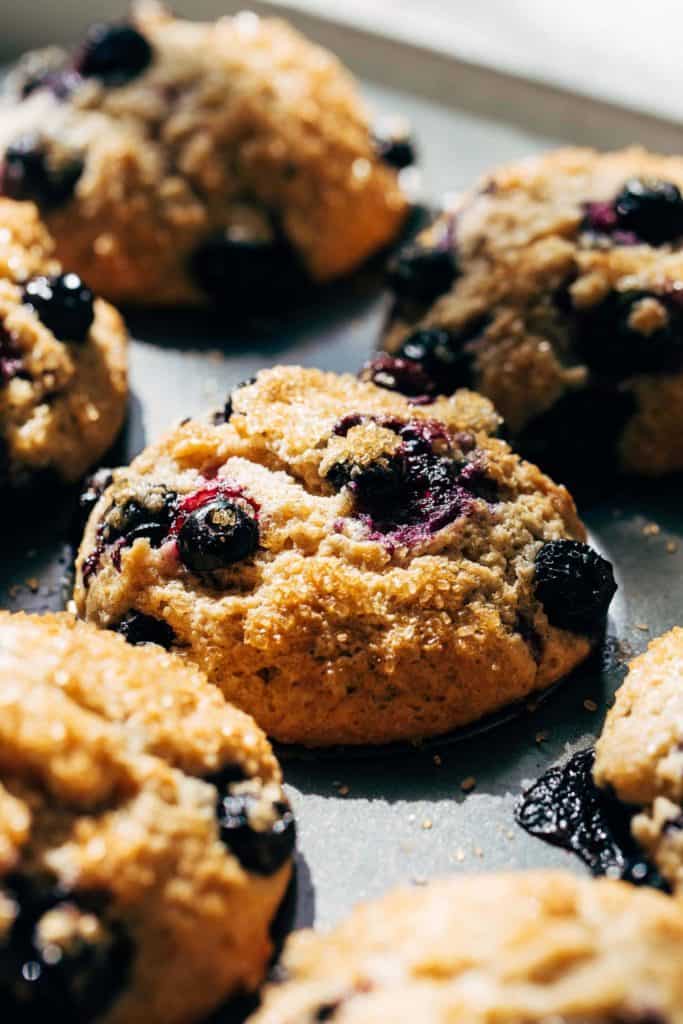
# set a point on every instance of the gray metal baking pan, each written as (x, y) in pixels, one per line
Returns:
(366, 824)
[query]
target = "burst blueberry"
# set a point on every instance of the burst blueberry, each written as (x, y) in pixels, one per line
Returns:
(574, 584)
(216, 535)
(28, 174)
(116, 54)
(652, 210)
(63, 303)
(138, 628)
(261, 842)
(376, 486)
(148, 516)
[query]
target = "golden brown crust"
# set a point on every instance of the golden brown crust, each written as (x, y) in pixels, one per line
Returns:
(328, 634)
(521, 241)
(102, 752)
(491, 949)
(63, 411)
(243, 110)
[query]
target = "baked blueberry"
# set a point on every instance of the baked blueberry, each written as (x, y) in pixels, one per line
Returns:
(216, 535)
(148, 516)
(574, 584)
(114, 53)
(94, 487)
(421, 273)
(443, 355)
(261, 837)
(63, 959)
(224, 414)
(610, 343)
(327, 1011)
(63, 303)
(27, 174)
(398, 374)
(376, 486)
(395, 147)
(652, 210)
(138, 628)
(225, 776)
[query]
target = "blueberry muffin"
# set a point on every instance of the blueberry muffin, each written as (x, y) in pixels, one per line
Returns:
(177, 162)
(63, 381)
(639, 756)
(490, 949)
(145, 842)
(347, 566)
(555, 287)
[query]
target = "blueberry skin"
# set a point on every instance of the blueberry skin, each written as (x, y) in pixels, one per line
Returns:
(610, 347)
(138, 628)
(114, 53)
(78, 986)
(574, 584)
(26, 174)
(64, 304)
(396, 150)
(442, 356)
(652, 210)
(421, 273)
(397, 374)
(262, 852)
(375, 486)
(136, 520)
(217, 535)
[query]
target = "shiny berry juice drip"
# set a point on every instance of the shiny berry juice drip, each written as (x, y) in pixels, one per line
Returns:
(565, 808)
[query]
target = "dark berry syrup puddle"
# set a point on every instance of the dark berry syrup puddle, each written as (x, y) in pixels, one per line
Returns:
(565, 808)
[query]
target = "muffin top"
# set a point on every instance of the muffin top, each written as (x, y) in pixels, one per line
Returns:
(145, 841)
(556, 278)
(323, 544)
(163, 149)
(63, 362)
(511, 948)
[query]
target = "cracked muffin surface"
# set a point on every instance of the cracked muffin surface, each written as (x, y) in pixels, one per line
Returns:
(510, 948)
(639, 755)
(554, 288)
(145, 841)
(347, 566)
(178, 162)
(63, 361)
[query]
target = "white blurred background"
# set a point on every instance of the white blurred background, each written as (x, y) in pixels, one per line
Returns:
(622, 51)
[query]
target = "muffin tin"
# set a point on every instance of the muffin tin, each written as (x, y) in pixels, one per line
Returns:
(367, 822)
